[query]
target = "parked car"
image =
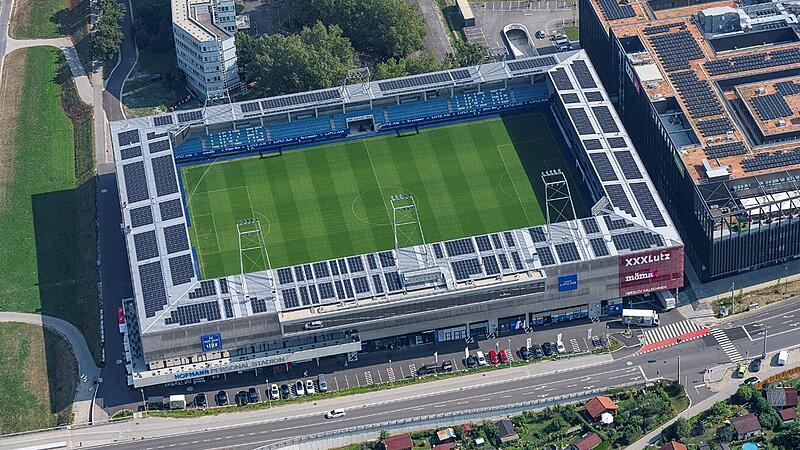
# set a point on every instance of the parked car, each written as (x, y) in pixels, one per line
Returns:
(335, 413)
(752, 380)
(252, 395)
(493, 357)
(537, 352)
(274, 393)
(447, 366)
(481, 358)
(524, 353)
(471, 361)
(548, 348)
(299, 390)
(200, 400)
(285, 391)
(241, 398)
(504, 356)
(560, 347)
(741, 370)
(427, 369)
(540, 34)
(310, 388)
(755, 365)
(783, 357)
(323, 385)
(221, 398)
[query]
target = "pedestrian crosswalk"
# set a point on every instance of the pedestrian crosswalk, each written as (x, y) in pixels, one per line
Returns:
(670, 331)
(725, 344)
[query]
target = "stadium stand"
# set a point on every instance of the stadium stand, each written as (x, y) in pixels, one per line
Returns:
(417, 109)
(299, 128)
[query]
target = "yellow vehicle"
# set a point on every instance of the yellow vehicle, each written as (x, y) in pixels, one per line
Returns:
(741, 370)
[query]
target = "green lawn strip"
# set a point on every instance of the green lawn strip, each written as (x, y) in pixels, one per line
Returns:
(572, 32)
(48, 260)
(143, 96)
(332, 201)
(40, 19)
(38, 373)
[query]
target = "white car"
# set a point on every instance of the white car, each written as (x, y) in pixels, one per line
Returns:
(310, 388)
(334, 414)
(299, 389)
(560, 347)
(481, 358)
(274, 393)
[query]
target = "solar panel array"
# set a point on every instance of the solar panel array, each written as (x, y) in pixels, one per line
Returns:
(771, 106)
(787, 88)
(648, 204)
(593, 96)
(259, 305)
(715, 127)
(410, 82)
(603, 167)
(614, 11)
(176, 239)
(537, 234)
(145, 245)
(675, 50)
(599, 247)
(628, 165)
(135, 182)
(141, 216)
(160, 121)
(561, 80)
(154, 294)
(180, 267)
(567, 252)
(460, 74)
(582, 74)
(128, 137)
(545, 256)
(727, 149)
(132, 152)
(697, 94)
(206, 289)
(592, 144)
(164, 174)
(618, 198)
(191, 314)
(605, 119)
(191, 116)
(617, 142)
(590, 225)
(637, 240)
(763, 60)
(250, 107)
(528, 64)
(570, 97)
(158, 146)
(466, 268)
(616, 224)
(171, 209)
(763, 161)
(459, 247)
(581, 120)
(663, 28)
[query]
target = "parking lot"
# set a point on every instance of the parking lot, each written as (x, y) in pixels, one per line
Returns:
(547, 15)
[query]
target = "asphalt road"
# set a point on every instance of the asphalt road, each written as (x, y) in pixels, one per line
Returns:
(112, 96)
(254, 428)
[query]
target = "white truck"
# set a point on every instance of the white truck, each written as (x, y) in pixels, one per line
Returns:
(177, 402)
(783, 356)
(641, 317)
(667, 299)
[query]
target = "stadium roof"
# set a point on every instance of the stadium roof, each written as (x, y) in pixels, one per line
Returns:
(169, 294)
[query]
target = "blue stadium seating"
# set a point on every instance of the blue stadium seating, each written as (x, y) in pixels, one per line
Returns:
(300, 128)
(532, 92)
(478, 100)
(418, 109)
(237, 138)
(189, 147)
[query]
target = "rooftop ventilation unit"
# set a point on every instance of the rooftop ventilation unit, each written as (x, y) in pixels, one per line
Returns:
(761, 91)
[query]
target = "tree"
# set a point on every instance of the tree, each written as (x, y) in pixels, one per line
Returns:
(556, 425)
(789, 438)
(107, 31)
(770, 419)
(383, 435)
(724, 434)
(631, 434)
(318, 57)
(153, 25)
(393, 68)
(683, 429)
(745, 394)
(490, 428)
(465, 54)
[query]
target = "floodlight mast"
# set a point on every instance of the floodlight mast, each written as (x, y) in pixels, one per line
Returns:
(406, 223)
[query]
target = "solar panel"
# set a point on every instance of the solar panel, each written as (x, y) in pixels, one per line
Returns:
(361, 285)
(339, 289)
(509, 238)
(171, 209)
(614, 11)
(617, 142)
(787, 88)
(290, 299)
(504, 262)
(593, 96)
(605, 119)
(466, 268)
(152, 135)
(373, 265)
(419, 80)
(326, 290)
(582, 74)
(146, 245)
(342, 266)
(141, 216)
(460, 74)
(537, 234)
(259, 305)
(560, 79)
(648, 204)
(128, 137)
(771, 106)
(191, 314)
(285, 276)
(176, 238)
(727, 149)
(592, 144)
(158, 146)
(160, 121)
(484, 245)
(164, 174)
(223, 285)
(715, 127)
(437, 251)
(300, 99)
(696, 94)
(250, 107)
(599, 247)
(616, 224)
(393, 281)
(755, 61)
(355, 264)
(490, 265)
(675, 50)
(307, 270)
(154, 294)
(766, 160)
(377, 284)
(636, 240)
(348, 289)
(321, 270)
(496, 242)
(663, 28)
(206, 289)
(298, 273)
(181, 269)
(228, 308)
(628, 165)
(190, 116)
(581, 120)
(590, 225)
(128, 153)
(618, 198)
(304, 297)
(570, 97)
(459, 247)
(135, 182)
(567, 252)
(387, 259)
(545, 256)
(533, 63)
(603, 167)
(517, 261)
(312, 291)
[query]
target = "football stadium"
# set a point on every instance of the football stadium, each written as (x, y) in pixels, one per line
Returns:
(454, 205)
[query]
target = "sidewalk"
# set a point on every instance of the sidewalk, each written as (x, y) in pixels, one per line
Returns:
(720, 380)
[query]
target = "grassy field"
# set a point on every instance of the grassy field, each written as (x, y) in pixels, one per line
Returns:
(37, 378)
(40, 19)
(47, 214)
(331, 201)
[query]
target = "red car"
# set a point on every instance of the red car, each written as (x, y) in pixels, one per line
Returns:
(493, 357)
(503, 356)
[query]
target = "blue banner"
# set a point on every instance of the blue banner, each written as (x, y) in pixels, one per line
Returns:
(211, 342)
(568, 282)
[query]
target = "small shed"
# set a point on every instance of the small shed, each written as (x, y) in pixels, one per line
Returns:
(506, 431)
(586, 442)
(599, 405)
(399, 442)
(746, 426)
(788, 415)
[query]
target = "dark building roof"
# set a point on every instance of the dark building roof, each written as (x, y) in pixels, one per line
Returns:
(746, 424)
(505, 429)
(776, 397)
(791, 396)
(788, 414)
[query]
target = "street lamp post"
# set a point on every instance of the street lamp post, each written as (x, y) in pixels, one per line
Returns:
(144, 403)
(269, 393)
(733, 299)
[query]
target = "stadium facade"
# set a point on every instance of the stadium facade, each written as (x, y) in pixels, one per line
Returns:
(180, 326)
(708, 92)
(205, 46)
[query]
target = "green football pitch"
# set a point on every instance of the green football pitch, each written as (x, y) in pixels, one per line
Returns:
(335, 200)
